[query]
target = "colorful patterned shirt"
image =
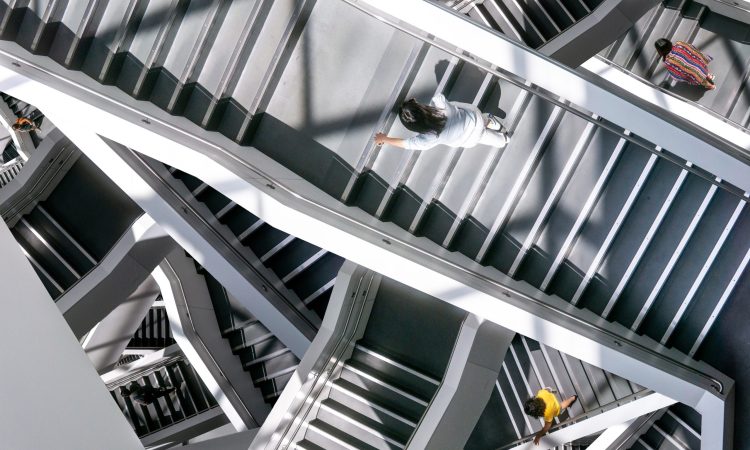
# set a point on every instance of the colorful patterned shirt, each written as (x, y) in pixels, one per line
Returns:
(687, 63)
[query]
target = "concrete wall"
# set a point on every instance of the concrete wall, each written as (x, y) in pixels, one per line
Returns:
(51, 397)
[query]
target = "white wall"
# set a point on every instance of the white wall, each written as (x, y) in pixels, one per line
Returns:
(51, 397)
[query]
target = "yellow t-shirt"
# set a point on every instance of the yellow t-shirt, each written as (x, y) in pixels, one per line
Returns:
(552, 406)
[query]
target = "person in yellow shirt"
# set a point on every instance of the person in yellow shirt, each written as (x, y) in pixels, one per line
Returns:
(546, 405)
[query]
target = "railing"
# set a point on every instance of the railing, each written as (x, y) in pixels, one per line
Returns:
(137, 374)
(10, 169)
(337, 216)
(669, 93)
(581, 417)
(332, 361)
(206, 352)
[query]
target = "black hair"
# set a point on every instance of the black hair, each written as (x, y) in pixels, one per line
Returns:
(534, 407)
(421, 118)
(663, 47)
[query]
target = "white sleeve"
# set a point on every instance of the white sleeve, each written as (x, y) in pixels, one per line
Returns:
(421, 142)
(439, 101)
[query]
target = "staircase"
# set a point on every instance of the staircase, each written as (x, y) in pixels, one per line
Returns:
(530, 366)
(677, 429)
(574, 205)
(269, 363)
(66, 235)
(10, 168)
(532, 22)
(377, 396)
(23, 109)
(154, 332)
(724, 39)
(190, 399)
(305, 272)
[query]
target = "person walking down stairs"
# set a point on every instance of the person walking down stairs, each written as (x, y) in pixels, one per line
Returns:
(685, 63)
(454, 124)
(145, 395)
(24, 125)
(546, 405)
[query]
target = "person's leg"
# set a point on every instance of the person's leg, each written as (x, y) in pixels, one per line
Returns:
(493, 138)
(567, 402)
(492, 122)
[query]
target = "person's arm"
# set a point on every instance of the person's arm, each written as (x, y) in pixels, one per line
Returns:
(382, 138)
(542, 432)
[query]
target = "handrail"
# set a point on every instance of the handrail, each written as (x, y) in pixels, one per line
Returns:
(143, 372)
(548, 97)
(733, 5)
(203, 344)
(9, 166)
(335, 215)
(332, 360)
(571, 420)
(672, 94)
(186, 206)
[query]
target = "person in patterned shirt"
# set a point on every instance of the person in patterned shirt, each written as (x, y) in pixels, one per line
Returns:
(685, 63)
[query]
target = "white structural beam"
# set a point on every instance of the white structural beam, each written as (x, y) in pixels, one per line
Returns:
(196, 331)
(108, 339)
(459, 32)
(291, 204)
(466, 386)
(612, 418)
(611, 435)
(51, 396)
(122, 270)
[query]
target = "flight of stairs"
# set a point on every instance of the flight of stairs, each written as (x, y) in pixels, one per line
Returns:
(190, 398)
(726, 40)
(268, 361)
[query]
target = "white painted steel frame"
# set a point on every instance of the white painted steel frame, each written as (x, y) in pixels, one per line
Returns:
(294, 206)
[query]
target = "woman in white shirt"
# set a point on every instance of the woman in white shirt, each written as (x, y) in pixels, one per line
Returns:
(442, 122)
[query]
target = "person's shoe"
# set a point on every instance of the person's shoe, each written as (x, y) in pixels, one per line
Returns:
(494, 124)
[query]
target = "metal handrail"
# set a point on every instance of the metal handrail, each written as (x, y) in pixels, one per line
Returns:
(733, 5)
(332, 214)
(203, 344)
(591, 413)
(187, 207)
(127, 377)
(716, 115)
(332, 360)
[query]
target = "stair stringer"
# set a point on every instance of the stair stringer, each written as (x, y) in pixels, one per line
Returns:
(344, 323)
